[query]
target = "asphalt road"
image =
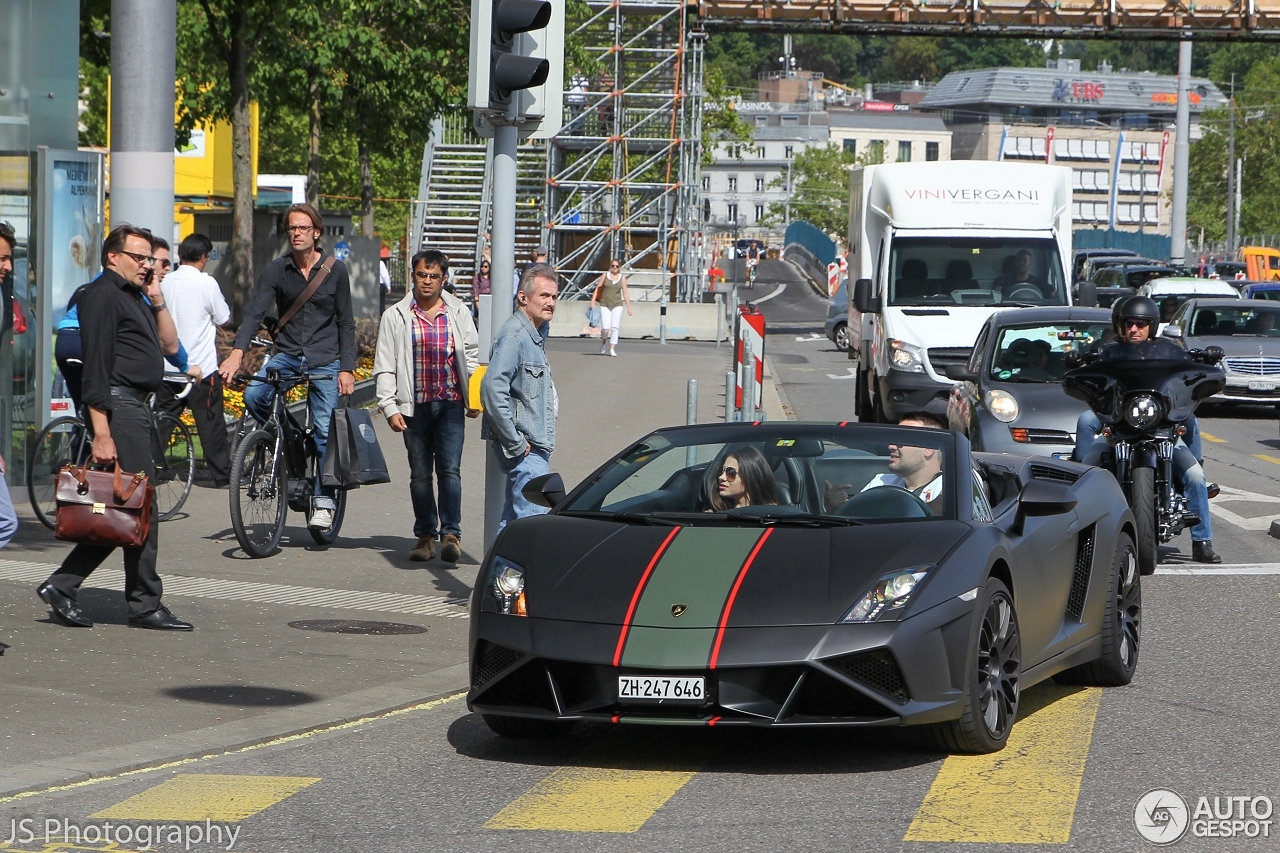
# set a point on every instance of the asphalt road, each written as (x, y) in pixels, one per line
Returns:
(1199, 720)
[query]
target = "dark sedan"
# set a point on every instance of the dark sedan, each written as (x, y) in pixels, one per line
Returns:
(1248, 330)
(1009, 397)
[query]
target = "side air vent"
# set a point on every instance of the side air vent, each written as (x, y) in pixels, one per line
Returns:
(492, 659)
(1047, 472)
(876, 669)
(1080, 577)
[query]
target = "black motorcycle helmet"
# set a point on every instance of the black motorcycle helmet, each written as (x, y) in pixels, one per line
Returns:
(1136, 308)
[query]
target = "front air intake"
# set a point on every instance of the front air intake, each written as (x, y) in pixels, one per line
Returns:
(875, 669)
(490, 661)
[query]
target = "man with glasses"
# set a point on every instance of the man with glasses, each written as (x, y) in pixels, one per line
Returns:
(126, 332)
(319, 338)
(427, 351)
(1135, 320)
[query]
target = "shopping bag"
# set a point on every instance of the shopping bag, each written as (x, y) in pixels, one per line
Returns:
(353, 457)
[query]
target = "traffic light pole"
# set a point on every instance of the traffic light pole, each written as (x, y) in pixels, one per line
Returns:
(503, 262)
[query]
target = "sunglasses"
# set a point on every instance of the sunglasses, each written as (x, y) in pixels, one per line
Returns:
(729, 472)
(1137, 324)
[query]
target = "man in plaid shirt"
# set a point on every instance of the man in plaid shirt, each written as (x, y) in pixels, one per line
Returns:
(427, 351)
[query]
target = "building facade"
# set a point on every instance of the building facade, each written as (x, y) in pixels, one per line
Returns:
(1114, 128)
(890, 137)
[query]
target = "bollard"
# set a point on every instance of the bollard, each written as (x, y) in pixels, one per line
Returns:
(662, 317)
(748, 382)
(691, 417)
(719, 318)
(728, 396)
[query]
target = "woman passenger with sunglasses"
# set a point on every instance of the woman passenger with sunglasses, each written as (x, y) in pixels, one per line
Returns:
(741, 478)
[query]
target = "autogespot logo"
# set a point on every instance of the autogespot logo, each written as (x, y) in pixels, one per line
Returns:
(1161, 816)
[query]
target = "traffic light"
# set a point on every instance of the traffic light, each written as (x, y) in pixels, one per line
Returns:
(517, 52)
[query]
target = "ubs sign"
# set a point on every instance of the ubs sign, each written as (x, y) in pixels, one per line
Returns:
(1078, 91)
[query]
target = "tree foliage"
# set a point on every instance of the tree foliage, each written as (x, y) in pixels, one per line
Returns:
(819, 188)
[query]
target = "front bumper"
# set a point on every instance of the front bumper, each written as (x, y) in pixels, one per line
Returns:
(902, 392)
(882, 674)
(997, 437)
(1237, 391)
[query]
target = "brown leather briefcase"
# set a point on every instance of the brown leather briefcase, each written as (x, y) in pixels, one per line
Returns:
(103, 507)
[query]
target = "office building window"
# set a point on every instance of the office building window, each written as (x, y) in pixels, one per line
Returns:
(789, 151)
(875, 151)
(904, 151)
(733, 183)
(706, 183)
(732, 212)
(759, 212)
(759, 183)
(851, 146)
(760, 151)
(931, 151)
(706, 210)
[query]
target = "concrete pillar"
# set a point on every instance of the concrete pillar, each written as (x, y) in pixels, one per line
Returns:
(143, 45)
(1181, 158)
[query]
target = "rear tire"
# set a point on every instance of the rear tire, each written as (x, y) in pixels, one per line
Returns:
(176, 467)
(1142, 500)
(63, 441)
(1121, 628)
(330, 535)
(841, 337)
(861, 396)
(524, 727)
(259, 501)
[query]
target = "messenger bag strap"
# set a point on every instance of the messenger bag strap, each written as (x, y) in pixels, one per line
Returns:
(308, 293)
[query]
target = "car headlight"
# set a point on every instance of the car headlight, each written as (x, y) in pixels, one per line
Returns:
(507, 584)
(906, 357)
(887, 597)
(1143, 411)
(1002, 405)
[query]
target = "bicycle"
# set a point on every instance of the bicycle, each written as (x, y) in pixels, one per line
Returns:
(67, 441)
(274, 469)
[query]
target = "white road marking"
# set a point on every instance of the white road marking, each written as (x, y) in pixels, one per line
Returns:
(1257, 522)
(260, 593)
(812, 337)
(1234, 569)
(852, 374)
(781, 288)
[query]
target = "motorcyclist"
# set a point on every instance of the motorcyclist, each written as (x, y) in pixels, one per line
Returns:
(1135, 320)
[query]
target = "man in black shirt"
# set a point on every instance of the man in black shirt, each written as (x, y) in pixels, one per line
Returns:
(319, 338)
(125, 340)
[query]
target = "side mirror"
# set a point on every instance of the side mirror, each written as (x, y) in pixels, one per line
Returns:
(961, 373)
(1171, 331)
(863, 299)
(1041, 498)
(546, 490)
(1087, 294)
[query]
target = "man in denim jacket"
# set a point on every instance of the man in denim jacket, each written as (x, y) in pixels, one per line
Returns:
(519, 397)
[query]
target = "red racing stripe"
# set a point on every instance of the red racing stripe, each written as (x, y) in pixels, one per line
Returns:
(713, 721)
(635, 597)
(733, 593)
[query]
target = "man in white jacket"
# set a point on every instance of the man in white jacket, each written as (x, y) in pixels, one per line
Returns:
(427, 350)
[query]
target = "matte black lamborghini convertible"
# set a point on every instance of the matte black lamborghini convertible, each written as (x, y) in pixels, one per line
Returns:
(805, 574)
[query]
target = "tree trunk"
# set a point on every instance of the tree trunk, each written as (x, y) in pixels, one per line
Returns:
(241, 161)
(366, 179)
(313, 139)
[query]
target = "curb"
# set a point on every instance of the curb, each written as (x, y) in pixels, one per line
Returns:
(779, 407)
(217, 740)
(818, 287)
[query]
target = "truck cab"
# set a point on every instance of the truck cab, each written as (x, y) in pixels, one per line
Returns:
(935, 249)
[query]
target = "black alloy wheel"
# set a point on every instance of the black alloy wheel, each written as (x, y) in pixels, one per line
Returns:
(1121, 625)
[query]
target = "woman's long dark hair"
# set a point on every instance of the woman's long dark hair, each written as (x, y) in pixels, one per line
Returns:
(753, 471)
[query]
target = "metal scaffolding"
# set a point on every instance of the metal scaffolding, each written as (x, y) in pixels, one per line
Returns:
(623, 175)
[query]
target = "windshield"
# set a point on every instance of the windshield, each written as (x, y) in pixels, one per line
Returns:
(1248, 320)
(857, 473)
(1039, 353)
(1137, 278)
(975, 271)
(1270, 295)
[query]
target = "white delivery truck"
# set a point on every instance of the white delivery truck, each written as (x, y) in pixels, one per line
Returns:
(935, 249)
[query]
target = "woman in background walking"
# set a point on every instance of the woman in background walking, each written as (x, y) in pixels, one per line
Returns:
(611, 294)
(480, 286)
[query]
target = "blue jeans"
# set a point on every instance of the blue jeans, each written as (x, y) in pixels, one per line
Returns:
(434, 440)
(1188, 473)
(519, 472)
(322, 399)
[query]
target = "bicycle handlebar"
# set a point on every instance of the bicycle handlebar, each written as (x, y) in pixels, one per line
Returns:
(287, 378)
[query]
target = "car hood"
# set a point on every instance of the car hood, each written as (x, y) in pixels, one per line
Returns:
(585, 570)
(1242, 346)
(1042, 405)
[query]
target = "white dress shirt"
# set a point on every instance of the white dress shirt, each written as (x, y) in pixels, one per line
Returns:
(197, 307)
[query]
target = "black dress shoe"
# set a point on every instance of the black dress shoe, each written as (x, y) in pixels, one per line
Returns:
(65, 609)
(161, 620)
(1202, 552)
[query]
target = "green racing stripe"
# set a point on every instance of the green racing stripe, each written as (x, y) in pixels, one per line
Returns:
(697, 571)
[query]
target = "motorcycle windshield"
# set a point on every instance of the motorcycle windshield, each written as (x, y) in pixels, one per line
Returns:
(1159, 366)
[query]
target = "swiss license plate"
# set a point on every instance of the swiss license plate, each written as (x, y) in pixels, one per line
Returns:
(1261, 385)
(662, 688)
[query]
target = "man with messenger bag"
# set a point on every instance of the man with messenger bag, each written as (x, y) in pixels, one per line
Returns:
(125, 339)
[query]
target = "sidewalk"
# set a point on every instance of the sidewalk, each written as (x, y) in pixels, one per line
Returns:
(84, 703)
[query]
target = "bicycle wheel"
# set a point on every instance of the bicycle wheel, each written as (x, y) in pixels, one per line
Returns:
(64, 441)
(330, 535)
(259, 499)
(175, 466)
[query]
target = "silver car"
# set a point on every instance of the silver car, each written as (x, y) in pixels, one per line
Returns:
(1248, 330)
(837, 324)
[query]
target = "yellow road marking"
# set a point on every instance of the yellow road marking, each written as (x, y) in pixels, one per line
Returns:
(592, 799)
(195, 797)
(1265, 458)
(1025, 794)
(1212, 438)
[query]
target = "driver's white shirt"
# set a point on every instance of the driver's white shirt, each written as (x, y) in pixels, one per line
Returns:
(929, 493)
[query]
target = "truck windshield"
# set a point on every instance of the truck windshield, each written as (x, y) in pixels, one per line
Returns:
(975, 271)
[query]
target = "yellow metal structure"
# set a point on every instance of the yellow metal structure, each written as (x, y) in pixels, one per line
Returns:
(1261, 263)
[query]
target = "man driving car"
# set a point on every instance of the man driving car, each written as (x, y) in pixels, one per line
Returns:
(916, 469)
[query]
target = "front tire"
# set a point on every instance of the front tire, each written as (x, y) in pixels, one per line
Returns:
(1142, 500)
(841, 337)
(259, 499)
(524, 727)
(176, 467)
(993, 682)
(1121, 628)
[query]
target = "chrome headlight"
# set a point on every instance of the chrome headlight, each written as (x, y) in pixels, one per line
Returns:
(1002, 405)
(906, 357)
(1143, 411)
(507, 585)
(887, 598)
